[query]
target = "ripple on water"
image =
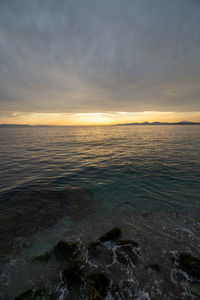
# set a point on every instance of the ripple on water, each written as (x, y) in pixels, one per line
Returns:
(76, 183)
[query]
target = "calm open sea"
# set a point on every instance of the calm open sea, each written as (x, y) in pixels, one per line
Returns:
(144, 179)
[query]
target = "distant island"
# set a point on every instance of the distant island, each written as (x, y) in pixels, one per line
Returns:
(16, 125)
(160, 123)
(24, 125)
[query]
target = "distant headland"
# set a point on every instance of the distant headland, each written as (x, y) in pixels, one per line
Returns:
(161, 123)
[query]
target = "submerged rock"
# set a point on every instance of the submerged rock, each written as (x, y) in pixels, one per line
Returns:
(111, 235)
(195, 288)
(125, 243)
(34, 295)
(155, 267)
(79, 203)
(43, 258)
(189, 264)
(146, 213)
(99, 284)
(30, 211)
(38, 208)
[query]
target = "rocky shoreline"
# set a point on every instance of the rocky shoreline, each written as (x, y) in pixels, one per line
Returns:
(82, 275)
(58, 245)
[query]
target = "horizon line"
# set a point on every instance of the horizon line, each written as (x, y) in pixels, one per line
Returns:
(146, 123)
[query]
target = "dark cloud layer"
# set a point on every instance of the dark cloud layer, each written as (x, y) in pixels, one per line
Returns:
(99, 55)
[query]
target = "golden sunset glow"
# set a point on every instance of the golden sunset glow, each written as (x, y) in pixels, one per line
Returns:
(68, 68)
(100, 118)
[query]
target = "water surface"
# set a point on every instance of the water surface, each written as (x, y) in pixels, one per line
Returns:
(145, 179)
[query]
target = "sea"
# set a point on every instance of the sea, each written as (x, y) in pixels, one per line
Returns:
(77, 183)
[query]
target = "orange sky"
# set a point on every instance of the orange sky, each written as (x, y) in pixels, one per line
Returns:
(108, 118)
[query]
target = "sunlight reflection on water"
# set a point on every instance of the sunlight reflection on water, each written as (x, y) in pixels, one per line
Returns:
(158, 165)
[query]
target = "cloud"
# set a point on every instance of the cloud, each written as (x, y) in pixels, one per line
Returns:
(90, 56)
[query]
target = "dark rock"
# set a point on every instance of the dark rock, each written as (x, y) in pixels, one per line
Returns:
(33, 295)
(126, 252)
(189, 264)
(111, 235)
(25, 296)
(121, 290)
(99, 284)
(155, 267)
(121, 257)
(72, 274)
(105, 257)
(67, 250)
(102, 254)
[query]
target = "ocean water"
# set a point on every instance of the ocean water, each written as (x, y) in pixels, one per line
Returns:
(75, 183)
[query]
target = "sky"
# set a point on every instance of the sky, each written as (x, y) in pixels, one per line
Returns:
(75, 62)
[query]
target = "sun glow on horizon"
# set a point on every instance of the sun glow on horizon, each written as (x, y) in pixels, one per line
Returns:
(95, 118)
